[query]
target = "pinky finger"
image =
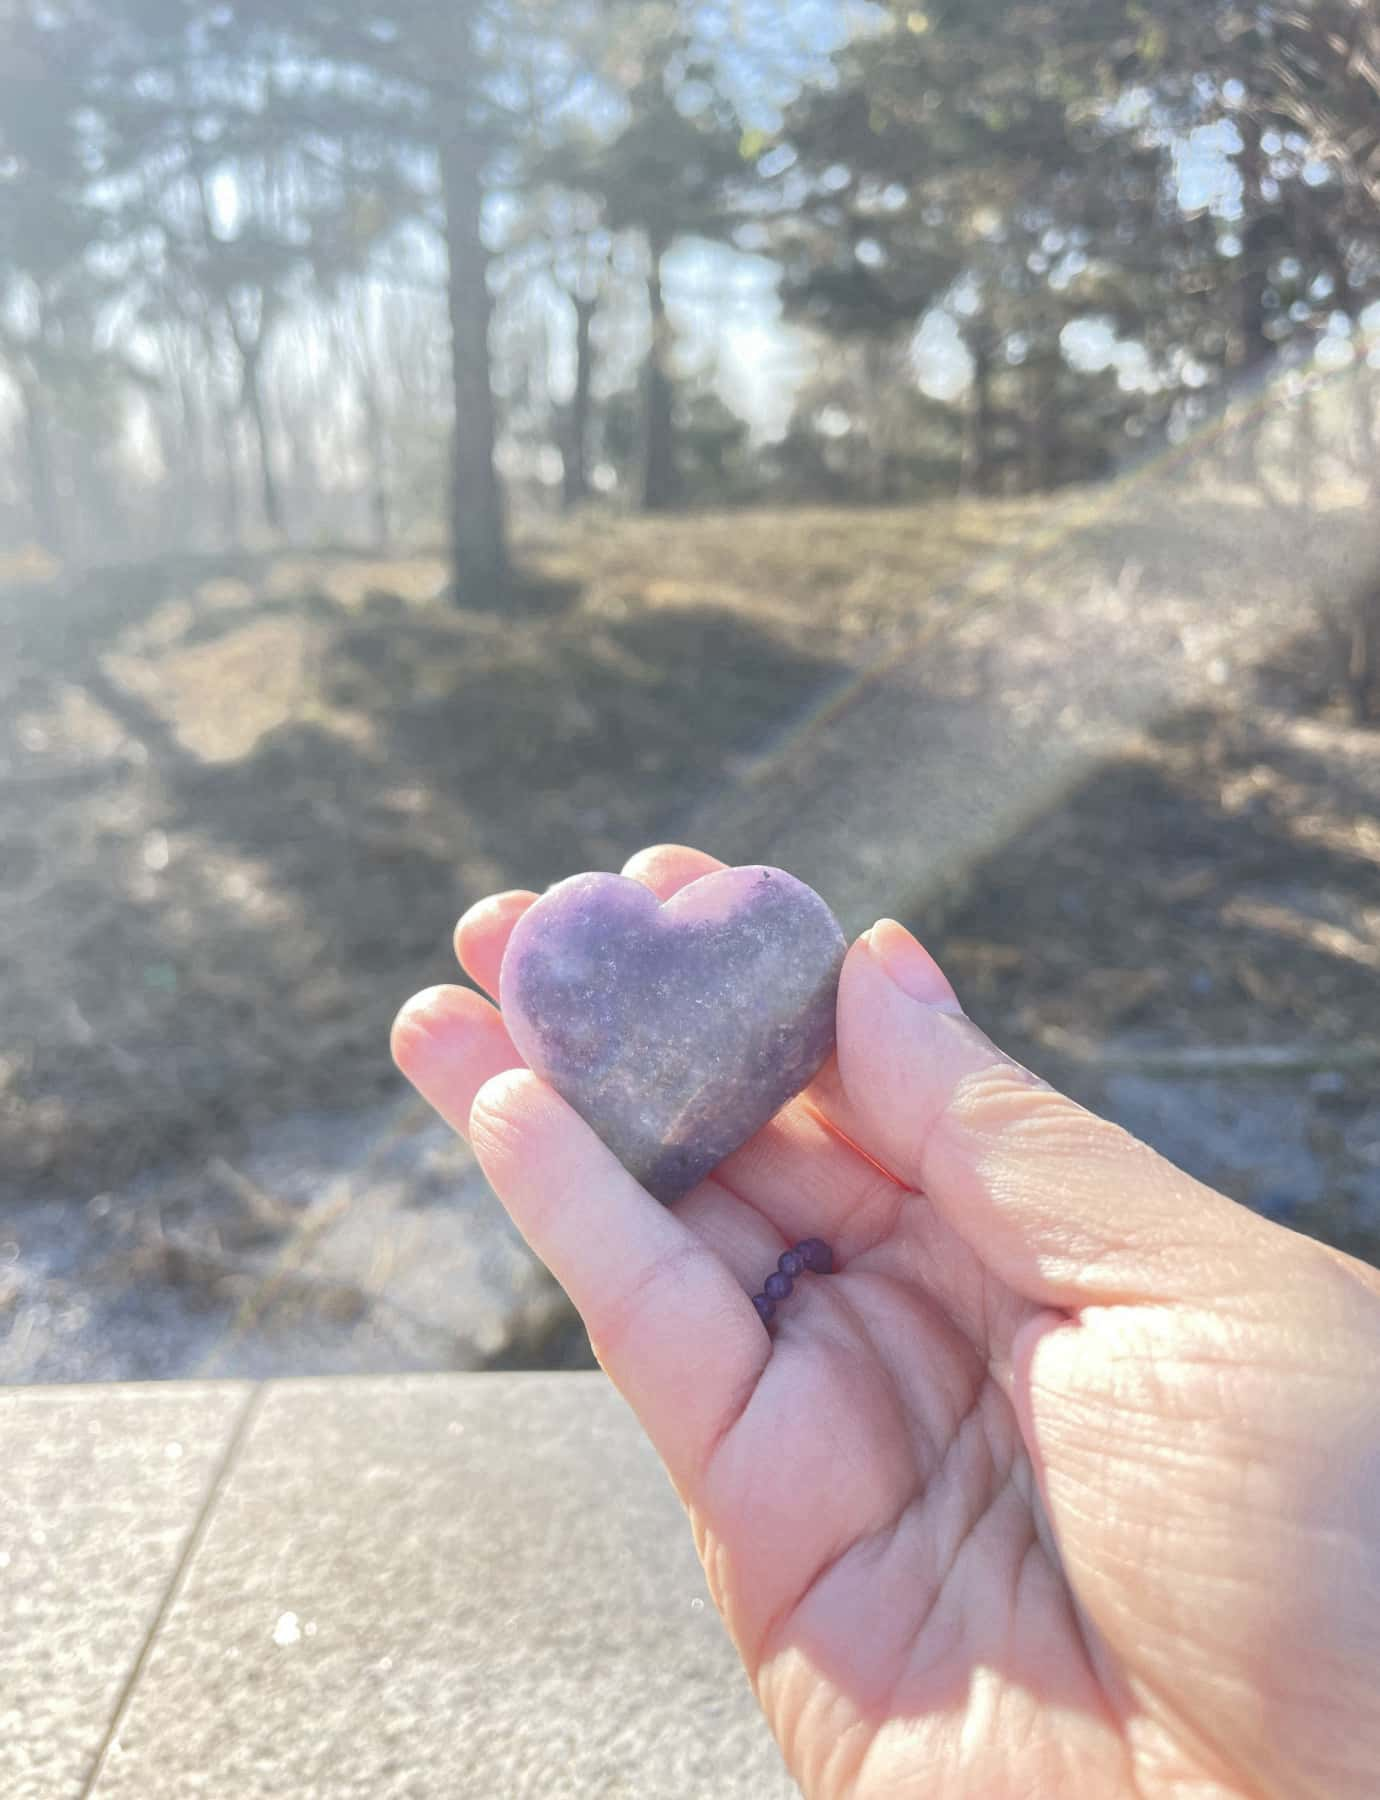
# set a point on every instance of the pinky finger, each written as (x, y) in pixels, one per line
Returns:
(448, 1042)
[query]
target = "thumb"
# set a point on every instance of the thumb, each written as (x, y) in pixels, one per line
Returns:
(1066, 1208)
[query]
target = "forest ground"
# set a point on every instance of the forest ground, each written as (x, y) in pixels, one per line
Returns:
(243, 799)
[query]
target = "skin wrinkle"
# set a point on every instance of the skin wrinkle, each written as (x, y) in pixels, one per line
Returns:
(1043, 1548)
(1004, 1083)
(960, 1336)
(709, 1548)
(960, 1341)
(1031, 1122)
(742, 1402)
(1095, 1653)
(968, 1536)
(1193, 1723)
(738, 1407)
(863, 1546)
(1151, 1702)
(938, 1292)
(889, 1530)
(750, 1206)
(733, 1418)
(837, 1131)
(739, 1237)
(620, 1320)
(875, 1541)
(840, 1748)
(886, 1185)
(1146, 1694)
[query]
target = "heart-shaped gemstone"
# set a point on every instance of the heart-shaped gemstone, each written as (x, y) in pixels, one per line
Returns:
(675, 1030)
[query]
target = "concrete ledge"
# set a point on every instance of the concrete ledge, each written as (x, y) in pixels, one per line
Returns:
(409, 1586)
(101, 1493)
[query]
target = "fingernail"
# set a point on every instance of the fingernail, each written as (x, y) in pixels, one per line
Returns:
(911, 966)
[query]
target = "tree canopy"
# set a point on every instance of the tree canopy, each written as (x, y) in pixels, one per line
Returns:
(279, 269)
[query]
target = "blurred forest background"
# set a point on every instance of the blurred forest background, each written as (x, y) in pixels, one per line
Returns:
(443, 446)
(337, 273)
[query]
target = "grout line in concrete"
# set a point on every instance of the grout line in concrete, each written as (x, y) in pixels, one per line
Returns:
(194, 1540)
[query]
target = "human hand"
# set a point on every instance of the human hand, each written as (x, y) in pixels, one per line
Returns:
(1066, 1484)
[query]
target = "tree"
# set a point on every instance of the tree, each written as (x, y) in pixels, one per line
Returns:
(669, 172)
(1324, 76)
(50, 296)
(409, 114)
(973, 161)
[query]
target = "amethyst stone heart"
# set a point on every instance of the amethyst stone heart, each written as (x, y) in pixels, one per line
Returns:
(676, 1031)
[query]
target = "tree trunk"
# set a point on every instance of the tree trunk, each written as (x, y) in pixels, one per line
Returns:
(234, 511)
(1042, 420)
(379, 509)
(1363, 385)
(478, 535)
(254, 402)
(1363, 661)
(1306, 451)
(658, 442)
(575, 486)
(876, 378)
(43, 500)
(977, 445)
(194, 482)
(1258, 236)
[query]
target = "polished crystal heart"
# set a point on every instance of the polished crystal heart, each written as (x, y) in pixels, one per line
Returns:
(675, 1030)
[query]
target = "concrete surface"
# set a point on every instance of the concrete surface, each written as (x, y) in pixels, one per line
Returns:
(101, 1494)
(398, 1587)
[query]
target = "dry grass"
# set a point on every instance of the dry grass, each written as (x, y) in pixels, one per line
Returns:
(243, 799)
(1212, 898)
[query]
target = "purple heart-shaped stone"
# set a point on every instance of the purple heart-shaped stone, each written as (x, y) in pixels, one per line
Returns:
(675, 1030)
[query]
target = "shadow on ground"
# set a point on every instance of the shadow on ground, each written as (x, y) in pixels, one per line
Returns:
(243, 800)
(1215, 890)
(240, 824)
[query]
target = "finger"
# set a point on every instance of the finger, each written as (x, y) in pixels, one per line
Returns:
(808, 1181)
(743, 1238)
(482, 935)
(1065, 1207)
(668, 1320)
(449, 1041)
(827, 1093)
(667, 868)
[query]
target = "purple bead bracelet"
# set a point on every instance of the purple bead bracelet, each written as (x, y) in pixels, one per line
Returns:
(810, 1254)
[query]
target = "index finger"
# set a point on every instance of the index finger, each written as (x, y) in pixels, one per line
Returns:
(668, 1319)
(482, 935)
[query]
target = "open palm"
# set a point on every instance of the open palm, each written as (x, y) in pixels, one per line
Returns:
(1067, 1483)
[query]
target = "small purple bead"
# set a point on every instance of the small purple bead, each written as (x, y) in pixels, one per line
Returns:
(791, 1263)
(777, 1287)
(766, 1308)
(816, 1255)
